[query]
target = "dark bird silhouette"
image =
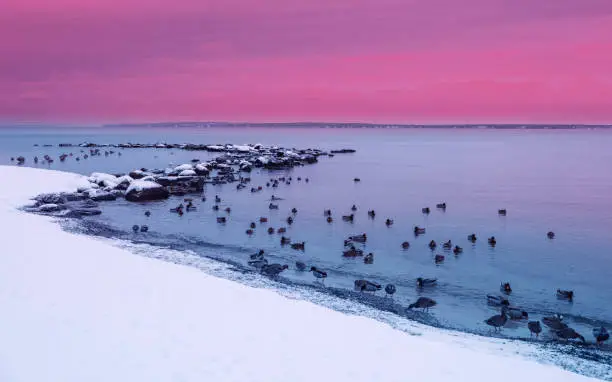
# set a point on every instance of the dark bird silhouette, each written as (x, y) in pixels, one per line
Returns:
(318, 273)
(534, 328)
(390, 289)
(273, 270)
(568, 333)
(423, 303)
(601, 335)
(498, 321)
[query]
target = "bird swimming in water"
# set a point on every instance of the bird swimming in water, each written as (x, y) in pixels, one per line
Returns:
(472, 238)
(418, 230)
(422, 283)
(568, 333)
(565, 295)
(492, 241)
(354, 208)
(369, 258)
(135, 228)
(372, 214)
(554, 322)
(550, 235)
(257, 256)
(423, 303)
(405, 245)
(534, 328)
(457, 250)
(390, 289)
(144, 228)
(147, 213)
(318, 273)
(506, 288)
(388, 222)
(601, 335)
(367, 286)
(273, 270)
(497, 300)
(502, 212)
(441, 206)
(425, 210)
(432, 245)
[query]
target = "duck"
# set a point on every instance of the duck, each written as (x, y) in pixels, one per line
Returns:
(273, 270)
(447, 245)
(177, 208)
(356, 180)
(294, 210)
(327, 212)
(144, 228)
(388, 222)
(425, 210)
(259, 263)
(499, 320)
(472, 238)
(565, 295)
(568, 333)
(492, 241)
(270, 231)
(502, 212)
(281, 230)
(300, 266)
(423, 303)
(390, 289)
(249, 232)
(353, 208)
(601, 335)
(441, 206)
(217, 199)
(285, 240)
(215, 207)
(372, 214)
(432, 245)
(289, 220)
(359, 238)
(367, 286)
(554, 322)
(405, 245)
(190, 207)
(228, 210)
(298, 246)
(147, 213)
(419, 231)
(506, 288)
(497, 300)
(534, 328)
(221, 219)
(457, 250)
(318, 273)
(439, 259)
(273, 206)
(369, 258)
(135, 228)
(348, 218)
(329, 219)
(517, 314)
(263, 219)
(422, 283)
(258, 255)
(352, 252)
(550, 235)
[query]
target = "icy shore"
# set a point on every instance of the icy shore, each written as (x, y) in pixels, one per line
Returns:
(79, 309)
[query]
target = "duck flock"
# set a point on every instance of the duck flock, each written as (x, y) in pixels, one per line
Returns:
(145, 185)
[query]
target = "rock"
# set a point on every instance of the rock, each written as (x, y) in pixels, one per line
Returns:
(99, 195)
(80, 212)
(187, 173)
(51, 207)
(137, 174)
(53, 198)
(141, 191)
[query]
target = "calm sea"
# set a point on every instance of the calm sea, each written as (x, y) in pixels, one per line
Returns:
(557, 181)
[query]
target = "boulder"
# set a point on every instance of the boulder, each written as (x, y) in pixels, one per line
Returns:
(141, 191)
(99, 195)
(51, 207)
(51, 199)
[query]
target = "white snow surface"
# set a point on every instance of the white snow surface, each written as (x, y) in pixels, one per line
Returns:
(183, 167)
(141, 184)
(187, 173)
(76, 308)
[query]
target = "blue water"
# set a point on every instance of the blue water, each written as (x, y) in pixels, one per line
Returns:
(547, 180)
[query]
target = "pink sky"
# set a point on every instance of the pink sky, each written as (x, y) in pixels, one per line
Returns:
(396, 61)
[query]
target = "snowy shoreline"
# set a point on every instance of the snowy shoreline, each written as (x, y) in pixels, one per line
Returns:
(77, 308)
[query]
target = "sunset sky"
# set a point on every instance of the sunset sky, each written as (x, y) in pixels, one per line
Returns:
(395, 61)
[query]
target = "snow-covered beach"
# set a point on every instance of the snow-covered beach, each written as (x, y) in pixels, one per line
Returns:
(76, 308)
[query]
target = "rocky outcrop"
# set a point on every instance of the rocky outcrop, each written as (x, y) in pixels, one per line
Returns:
(143, 191)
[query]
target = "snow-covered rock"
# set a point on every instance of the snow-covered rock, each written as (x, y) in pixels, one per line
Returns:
(183, 167)
(142, 190)
(187, 173)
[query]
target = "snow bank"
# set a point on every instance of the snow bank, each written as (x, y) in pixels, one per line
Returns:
(76, 308)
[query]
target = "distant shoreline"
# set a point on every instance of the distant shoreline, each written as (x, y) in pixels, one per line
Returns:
(363, 125)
